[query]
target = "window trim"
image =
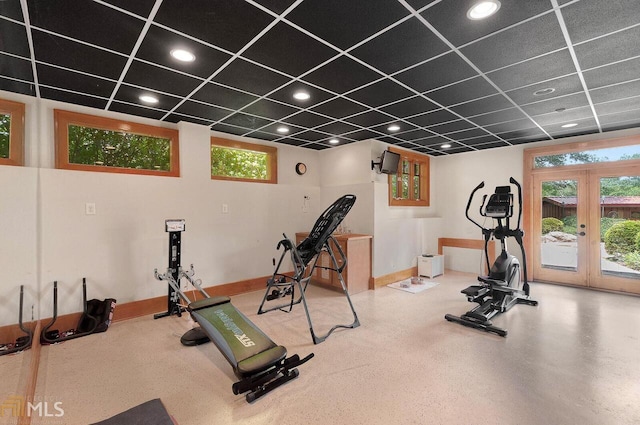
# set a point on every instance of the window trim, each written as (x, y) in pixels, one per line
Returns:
(16, 132)
(272, 159)
(63, 119)
(425, 193)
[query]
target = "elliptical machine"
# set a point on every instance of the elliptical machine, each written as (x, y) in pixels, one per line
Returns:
(503, 288)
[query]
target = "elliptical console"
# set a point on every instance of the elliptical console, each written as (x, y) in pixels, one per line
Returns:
(503, 287)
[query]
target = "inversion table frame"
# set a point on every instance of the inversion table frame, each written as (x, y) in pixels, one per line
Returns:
(259, 363)
(320, 240)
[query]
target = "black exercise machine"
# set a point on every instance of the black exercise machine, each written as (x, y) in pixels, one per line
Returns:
(22, 342)
(503, 288)
(259, 363)
(54, 336)
(320, 240)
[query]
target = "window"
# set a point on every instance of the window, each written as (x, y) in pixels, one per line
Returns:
(410, 186)
(90, 143)
(240, 161)
(607, 154)
(11, 133)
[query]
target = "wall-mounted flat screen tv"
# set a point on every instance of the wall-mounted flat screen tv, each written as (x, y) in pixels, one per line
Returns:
(389, 162)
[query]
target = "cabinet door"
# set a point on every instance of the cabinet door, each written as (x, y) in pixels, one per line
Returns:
(335, 279)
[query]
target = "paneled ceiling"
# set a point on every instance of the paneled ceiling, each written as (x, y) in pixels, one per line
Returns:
(515, 77)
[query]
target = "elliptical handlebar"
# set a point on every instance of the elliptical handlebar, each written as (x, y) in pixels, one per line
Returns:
(515, 182)
(480, 186)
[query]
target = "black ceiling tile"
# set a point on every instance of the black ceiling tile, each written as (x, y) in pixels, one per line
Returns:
(453, 150)
(344, 24)
(451, 126)
(380, 93)
(130, 94)
(285, 94)
(11, 9)
(159, 42)
(480, 106)
(263, 135)
(136, 110)
(620, 125)
(277, 6)
(16, 68)
(618, 91)
(434, 153)
(17, 87)
(525, 41)
(273, 129)
(341, 141)
(369, 118)
(628, 104)
(139, 7)
(515, 125)
(216, 94)
(307, 119)
(450, 18)
(497, 144)
(246, 121)
(467, 134)
(419, 4)
(403, 45)
(228, 129)
(612, 48)
(577, 133)
(487, 138)
(59, 78)
(412, 106)
(438, 141)
(441, 71)
(362, 135)
(612, 74)
(339, 108)
(206, 112)
(310, 136)
(69, 54)
(251, 78)
(337, 128)
(585, 126)
(13, 39)
(288, 50)
(561, 86)
(544, 68)
(527, 134)
(588, 19)
(226, 24)
(153, 77)
(317, 146)
(414, 134)
(464, 91)
(568, 116)
(433, 118)
(74, 98)
(529, 139)
(341, 75)
(498, 117)
(293, 142)
(269, 109)
(87, 21)
(176, 118)
(552, 105)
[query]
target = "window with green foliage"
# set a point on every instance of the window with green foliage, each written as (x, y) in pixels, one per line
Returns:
(410, 186)
(11, 132)
(233, 160)
(89, 143)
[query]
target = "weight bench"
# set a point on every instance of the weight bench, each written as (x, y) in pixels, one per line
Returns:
(259, 363)
(320, 240)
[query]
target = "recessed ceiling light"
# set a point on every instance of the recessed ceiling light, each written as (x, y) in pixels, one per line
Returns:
(542, 92)
(183, 55)
(393, 127)
(334, 141)
(148, 99)
(282, 129)
(483, 9)
(446, 146)
(301, 95)
(573, 124)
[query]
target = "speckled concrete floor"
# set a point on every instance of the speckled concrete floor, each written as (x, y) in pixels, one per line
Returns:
(571, 360)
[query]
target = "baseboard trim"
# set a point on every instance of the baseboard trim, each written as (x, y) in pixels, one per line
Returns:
(394, 277)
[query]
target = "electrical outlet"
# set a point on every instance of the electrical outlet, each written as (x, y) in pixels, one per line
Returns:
(225, 209)
(90, 208)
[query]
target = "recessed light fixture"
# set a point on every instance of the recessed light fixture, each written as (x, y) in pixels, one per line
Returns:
(572, 124)
(483, 9)
(183, 55)
(542, 92)
(301, 95)
(148, 99)
(393, 127)
(282, 129)
(334, 141)
(446, 146)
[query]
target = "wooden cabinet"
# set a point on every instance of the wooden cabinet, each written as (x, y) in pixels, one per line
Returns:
(357, 274)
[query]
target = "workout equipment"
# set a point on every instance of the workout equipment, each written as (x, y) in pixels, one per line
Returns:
(175, 229)
(281, 284)
(22, 342)
(503, 287)
(259, 363)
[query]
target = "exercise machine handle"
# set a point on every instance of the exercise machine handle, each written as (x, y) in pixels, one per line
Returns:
(515, 182)
(480, 186)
